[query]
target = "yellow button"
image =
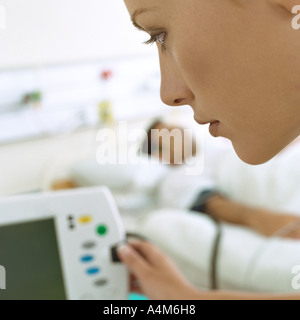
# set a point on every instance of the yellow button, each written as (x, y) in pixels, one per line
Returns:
(85, 219)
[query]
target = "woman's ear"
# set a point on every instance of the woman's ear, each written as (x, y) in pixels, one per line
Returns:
(287, 4)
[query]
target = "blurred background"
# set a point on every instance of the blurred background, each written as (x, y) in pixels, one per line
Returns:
(67, 67)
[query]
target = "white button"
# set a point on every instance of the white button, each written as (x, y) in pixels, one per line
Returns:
(101, 282)
(89, 245)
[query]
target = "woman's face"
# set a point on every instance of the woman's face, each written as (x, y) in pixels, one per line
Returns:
(233, 61)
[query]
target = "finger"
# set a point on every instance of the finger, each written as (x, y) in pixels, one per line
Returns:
(134, 261)
(150, 252)
(294, 235)
(135, 288)
(135, 285)
(137, 291)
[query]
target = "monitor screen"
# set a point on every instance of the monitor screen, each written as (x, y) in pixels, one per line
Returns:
(29, 254)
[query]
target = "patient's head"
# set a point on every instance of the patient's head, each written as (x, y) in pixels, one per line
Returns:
(170, 143)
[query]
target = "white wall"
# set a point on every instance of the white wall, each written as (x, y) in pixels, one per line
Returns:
(31, 166)
(40, 32)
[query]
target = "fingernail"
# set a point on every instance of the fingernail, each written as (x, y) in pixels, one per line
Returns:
(134, 241)
(124, 250)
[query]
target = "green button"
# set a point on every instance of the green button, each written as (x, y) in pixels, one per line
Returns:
(102, 230)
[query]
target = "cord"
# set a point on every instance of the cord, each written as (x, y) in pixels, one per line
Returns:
(200, 206)
(215, 255)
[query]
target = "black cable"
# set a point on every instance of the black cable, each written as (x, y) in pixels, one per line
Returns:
(214, 256)
(199, 206)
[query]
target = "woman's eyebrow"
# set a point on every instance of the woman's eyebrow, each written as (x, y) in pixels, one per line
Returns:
(138, 12)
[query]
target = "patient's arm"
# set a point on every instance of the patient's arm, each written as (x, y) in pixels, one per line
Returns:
(263, 221)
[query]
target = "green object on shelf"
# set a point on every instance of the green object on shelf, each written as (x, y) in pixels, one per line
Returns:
(36, 96)
(33, 97)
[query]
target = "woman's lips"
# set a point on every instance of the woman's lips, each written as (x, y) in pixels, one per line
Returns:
(213, 128)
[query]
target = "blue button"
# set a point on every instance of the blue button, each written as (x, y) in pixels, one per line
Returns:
(87, 258)
(93, 270)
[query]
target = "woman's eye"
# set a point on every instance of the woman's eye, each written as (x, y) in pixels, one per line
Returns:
(159, 38)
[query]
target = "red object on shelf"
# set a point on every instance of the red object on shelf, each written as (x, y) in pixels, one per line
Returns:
(106, 74)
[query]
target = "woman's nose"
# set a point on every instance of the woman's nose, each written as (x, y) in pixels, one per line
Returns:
(174, 90)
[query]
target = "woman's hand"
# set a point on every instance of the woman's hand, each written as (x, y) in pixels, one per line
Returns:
(159, 278)
(153, 273)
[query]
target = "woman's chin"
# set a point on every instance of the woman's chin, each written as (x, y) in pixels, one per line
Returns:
(254, 156)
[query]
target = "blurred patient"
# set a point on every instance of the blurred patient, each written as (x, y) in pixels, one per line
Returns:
(167, 142)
